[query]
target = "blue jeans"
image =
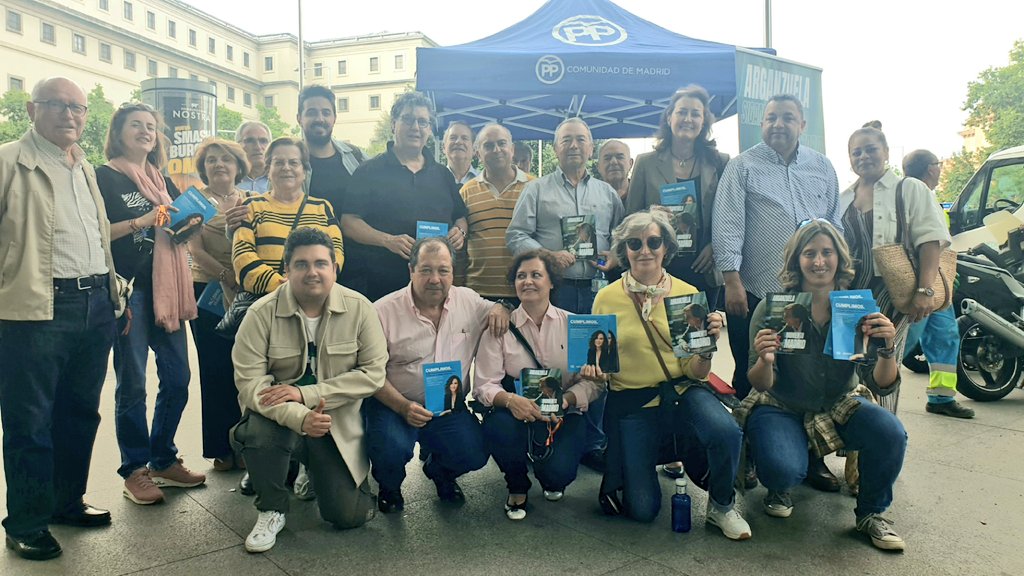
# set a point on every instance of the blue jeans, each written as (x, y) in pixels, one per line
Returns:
(779, 444)
(574, 296)
(454, 441)
(595, 438)
(507, 440)
(50, 382)
(700, 418)
(139, 445)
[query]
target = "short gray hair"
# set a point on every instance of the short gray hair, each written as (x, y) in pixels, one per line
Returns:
(249, 124)
(455, 123)
(635, 224)
(574, 120)
(429, 244)
(479, 135)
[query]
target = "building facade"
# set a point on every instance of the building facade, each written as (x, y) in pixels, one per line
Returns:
(119, 43)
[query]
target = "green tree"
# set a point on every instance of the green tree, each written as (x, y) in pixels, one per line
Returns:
(16, 121)
(382, 133)
(995, 105)
(94, 137)
(227, 122)
(272, 119)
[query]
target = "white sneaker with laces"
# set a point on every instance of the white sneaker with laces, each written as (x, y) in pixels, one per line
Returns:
(731, 523)
(881, 532)
(552, 495)
(264, 533)
(303, 486)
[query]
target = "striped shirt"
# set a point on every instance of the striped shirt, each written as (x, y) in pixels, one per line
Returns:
(760, 202)
(490, 211)
(259, 242)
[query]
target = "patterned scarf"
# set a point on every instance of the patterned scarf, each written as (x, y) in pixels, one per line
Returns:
(652, 294)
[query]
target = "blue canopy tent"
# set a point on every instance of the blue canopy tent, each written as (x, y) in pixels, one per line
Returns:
(587, 58)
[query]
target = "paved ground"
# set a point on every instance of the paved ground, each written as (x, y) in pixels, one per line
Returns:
(959, 505)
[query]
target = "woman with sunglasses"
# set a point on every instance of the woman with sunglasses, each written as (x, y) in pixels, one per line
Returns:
(515, 422)
(868, 209)
(137, 197)
(793, 394)
(692, 423)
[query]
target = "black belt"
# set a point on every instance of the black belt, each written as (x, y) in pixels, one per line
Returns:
(578, 281)
(81, 283)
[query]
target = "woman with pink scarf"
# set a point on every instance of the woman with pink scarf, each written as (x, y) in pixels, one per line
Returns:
(135, 193)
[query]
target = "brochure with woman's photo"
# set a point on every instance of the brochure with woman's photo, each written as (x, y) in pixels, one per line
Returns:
(193, 210)
(544, 387)
(688, 324)
(789, 315)
(849, 307)
(579, 235)
(683, 200)
(592, 342)
(443, 391)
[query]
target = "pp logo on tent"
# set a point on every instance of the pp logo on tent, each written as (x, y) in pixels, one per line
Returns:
(587, 30)
(550, 69)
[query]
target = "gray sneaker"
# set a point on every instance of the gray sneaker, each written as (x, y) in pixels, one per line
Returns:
(778, 504)
(881, 532)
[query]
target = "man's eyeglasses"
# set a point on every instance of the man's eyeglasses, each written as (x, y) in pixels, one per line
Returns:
(58, 107)
(636, 244)
(410, 120)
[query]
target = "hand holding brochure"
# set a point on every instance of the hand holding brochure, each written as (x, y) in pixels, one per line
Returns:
(443, 391)
(688, 325)
(789, 315)
(592, 341)
(579, 235)
(193, 210)
(544, 387)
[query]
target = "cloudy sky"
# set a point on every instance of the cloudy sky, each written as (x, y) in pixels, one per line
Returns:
(904, 62)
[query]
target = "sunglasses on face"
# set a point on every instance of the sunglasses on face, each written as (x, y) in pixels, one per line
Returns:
(636, 244)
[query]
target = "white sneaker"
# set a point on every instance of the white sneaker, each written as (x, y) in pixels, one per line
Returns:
(264, 533)
(303, 486)
(731, 523)
(881, 532)
(552, 495)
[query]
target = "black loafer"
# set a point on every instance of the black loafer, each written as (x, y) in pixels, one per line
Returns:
(388, 501)
(820, 477)
(449, 491)
(86, 517)
(245, 485)
(954, 409)
(38, 546)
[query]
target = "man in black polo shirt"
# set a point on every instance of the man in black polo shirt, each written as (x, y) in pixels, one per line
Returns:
(389, 194)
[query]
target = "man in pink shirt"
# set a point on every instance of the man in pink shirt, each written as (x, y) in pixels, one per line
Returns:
(427, 321)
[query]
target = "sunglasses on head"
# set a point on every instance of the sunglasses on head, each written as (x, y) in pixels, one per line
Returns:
(810, 220)
(636, 244)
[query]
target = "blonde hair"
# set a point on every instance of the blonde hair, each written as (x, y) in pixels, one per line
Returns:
(791, 276)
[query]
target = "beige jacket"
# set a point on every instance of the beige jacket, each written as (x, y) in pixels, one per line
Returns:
(26, 232)
(270, 348)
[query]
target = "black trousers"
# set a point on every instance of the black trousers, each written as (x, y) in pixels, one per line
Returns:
(216, 382)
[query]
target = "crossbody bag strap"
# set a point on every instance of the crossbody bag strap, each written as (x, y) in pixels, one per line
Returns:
(295, 224)
(522, 340)
(650, 337)
(901, 216)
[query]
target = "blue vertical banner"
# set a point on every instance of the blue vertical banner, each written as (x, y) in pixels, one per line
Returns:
(759, 77)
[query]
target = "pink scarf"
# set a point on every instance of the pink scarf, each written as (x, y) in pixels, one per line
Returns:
(173, 297)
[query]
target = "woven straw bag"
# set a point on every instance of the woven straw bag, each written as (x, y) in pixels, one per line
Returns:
(897, 264)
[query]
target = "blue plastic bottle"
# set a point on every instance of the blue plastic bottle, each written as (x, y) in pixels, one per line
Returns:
(680, 507)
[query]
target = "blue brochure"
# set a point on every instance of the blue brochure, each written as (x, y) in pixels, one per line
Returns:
(193, 210)
(443, 389)
(430, 229)
(849, 307)
(593, 341)
(212, 299)
(681, 198)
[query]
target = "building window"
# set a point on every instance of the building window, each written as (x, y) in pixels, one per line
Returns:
(129, 60)
(268, 63)
(342, 67)
(172, 72)
(268, 101)
(230, 52)
(192, 41)
(375, 102)
(245, 59)
(247, 100)
(128, 14)
(150, 20)
(342, 104)
(374, 64)
(77, 43)
(14, 21)
(318, 70)
(105, 5)
(211, 45)
(172, 29)
(399, 62)
(105, 52)
(193, 77)
(231, 93)
(152, 67)
(47, 33)
(15, 83)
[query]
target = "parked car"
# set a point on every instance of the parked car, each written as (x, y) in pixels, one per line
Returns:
(997, 186)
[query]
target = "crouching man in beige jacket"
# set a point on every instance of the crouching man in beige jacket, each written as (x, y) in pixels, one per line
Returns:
(305, 357)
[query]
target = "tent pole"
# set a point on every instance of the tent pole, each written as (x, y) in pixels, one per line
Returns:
(767, 23)
(540, 158)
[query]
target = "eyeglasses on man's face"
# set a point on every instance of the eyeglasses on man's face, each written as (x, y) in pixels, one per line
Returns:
(58, 107)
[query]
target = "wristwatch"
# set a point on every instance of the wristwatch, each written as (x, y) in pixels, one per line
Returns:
(926, 291)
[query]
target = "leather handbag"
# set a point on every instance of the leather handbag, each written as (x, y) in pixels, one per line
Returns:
(897, 265)
(228, 325)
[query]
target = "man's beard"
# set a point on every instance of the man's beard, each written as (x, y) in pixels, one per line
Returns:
(318, 140)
